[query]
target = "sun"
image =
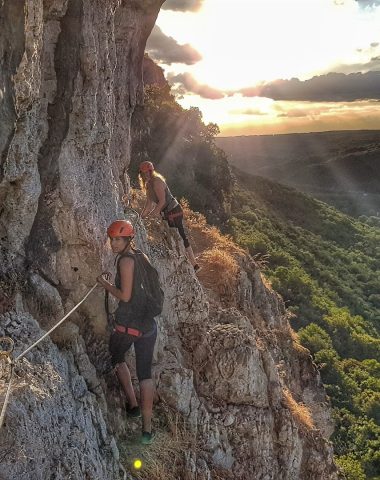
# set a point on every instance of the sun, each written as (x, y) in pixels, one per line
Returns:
(245, 42)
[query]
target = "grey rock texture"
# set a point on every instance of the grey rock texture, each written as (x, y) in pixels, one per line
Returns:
(70, 79)
(54, 425)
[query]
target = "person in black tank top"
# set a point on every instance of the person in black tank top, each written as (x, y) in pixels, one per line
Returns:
(126, 329)
(161, 203)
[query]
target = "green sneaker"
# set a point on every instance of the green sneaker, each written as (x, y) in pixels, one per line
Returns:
(147, 438)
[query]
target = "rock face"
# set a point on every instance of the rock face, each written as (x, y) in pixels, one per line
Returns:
(70, 78)
(54, 427)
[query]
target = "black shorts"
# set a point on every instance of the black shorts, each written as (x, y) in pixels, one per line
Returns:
(177, 222)
(120, 343)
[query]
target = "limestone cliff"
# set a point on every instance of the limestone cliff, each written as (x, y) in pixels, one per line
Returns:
(227, 367)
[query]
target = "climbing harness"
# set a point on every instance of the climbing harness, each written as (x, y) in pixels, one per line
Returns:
(130, 331)
(171, 216)
(7, 346)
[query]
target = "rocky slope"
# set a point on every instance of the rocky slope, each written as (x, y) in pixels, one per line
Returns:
(226, 361)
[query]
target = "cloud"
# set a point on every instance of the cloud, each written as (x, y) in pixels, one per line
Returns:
(368, 3)
(182, 5)
(293, 114)
(247, 111)
(332, 87)
(165, 49)
(372, 65)
(189, 84)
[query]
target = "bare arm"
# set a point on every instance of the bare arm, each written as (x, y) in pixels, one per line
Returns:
(159, 189)
(126, 266)
(148, 207)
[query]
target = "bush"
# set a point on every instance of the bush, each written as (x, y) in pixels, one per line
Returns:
(315, 338)
(351, 467)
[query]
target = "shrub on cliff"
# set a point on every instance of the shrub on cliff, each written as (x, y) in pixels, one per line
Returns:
(182, 147)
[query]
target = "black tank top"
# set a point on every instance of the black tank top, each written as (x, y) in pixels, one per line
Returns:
(132, 313)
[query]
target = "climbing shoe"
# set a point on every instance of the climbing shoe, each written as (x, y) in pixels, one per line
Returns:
(197, 268)
(134, 412)
(147, 438)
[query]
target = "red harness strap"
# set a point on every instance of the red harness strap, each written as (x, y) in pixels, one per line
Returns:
(174, 215)
(129, 331)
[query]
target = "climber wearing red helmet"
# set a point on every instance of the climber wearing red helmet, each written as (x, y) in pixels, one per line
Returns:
(161, 202)
(131, 311)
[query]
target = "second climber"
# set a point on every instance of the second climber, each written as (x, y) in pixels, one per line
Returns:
(161, 202)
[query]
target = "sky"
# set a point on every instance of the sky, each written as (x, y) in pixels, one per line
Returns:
(273, 66)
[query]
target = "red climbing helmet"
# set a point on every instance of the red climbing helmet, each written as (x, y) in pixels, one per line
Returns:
(146, 167)
(121, 228)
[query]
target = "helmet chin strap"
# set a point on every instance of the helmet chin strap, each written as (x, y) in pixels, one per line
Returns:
(127, 246)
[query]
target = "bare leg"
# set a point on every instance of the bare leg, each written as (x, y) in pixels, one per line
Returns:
(124, 376)
(146, 393)
(191, 256)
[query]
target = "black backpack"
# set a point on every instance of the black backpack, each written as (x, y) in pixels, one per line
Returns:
(150, 284)
(147, 296)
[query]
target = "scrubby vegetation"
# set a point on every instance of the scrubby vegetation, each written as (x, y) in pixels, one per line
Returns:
(325, 265)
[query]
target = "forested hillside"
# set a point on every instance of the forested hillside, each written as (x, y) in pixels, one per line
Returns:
(324, 263)
(326, 266)
(341, 168)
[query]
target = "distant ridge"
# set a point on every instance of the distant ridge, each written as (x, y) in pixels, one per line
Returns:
(322, 132)
(338, 167)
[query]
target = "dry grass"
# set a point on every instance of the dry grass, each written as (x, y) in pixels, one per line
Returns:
(164, 458)
(204, 236)
(219, 273)
(216, 253)
(300, 411)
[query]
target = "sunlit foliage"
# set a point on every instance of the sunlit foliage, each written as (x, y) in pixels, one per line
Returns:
(325, 265)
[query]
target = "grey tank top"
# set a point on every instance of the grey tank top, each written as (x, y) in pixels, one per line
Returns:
(170, 200)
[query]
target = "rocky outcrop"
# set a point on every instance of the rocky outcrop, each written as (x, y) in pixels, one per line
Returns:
(152, 73)
(69, 83)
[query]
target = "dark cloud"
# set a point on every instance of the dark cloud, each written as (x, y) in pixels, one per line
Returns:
(333, 87)
(166, 50)
(368, 3)
(189, 84)
(182, 5)
(373, 65)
